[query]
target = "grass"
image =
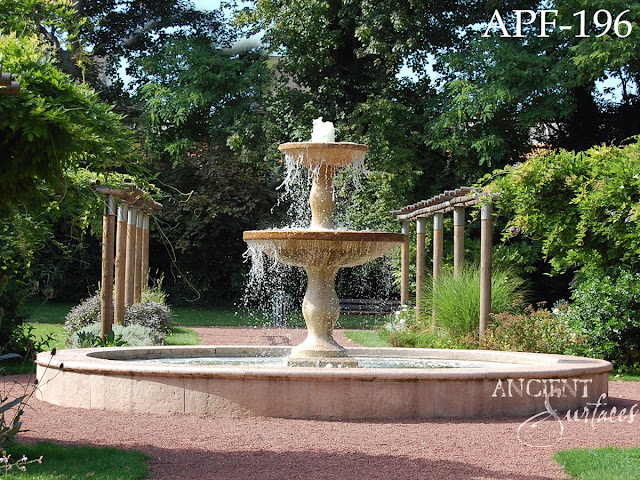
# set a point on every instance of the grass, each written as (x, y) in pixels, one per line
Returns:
(608, 463)
(75, 463)
(47, 312)
(367, 338)
(182, 336)
(633, 376)
(56, 331)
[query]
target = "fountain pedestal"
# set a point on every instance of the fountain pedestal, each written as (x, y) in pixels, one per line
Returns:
(322, 251)
(320, 309)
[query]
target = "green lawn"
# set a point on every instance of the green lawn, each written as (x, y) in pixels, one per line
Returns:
(221, 316)
(366, 338)
(633, 376)
(47, 312)
(77, 463)
(608, 463)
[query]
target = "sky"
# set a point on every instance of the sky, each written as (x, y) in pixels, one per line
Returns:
(206, 4)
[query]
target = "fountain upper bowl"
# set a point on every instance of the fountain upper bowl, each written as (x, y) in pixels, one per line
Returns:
(323, 248)
(334, 154)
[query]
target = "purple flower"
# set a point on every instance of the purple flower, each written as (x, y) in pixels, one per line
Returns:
(613, 214)
(627, 220)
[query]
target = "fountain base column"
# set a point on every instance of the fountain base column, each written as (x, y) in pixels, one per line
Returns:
(320, 309)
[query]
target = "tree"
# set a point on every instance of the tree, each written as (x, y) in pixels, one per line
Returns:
(55, 122)
(504, 94)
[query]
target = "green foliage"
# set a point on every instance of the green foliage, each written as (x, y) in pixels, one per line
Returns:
(402, 330)
(456, 299)
(130, 335)
(90, 336)
(582, 207)
(605, 313)
(502, 96)
(52, 125)
(608, 463)
(367, 338)
(534, 330)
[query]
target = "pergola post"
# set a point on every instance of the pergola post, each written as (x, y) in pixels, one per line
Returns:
(131, 256)
(404, 260)
(121, 263)
(421, 228)
(145, 250)
(108, 236)
(137, 280)
(438, 249)
(458, 240)
(486, 245)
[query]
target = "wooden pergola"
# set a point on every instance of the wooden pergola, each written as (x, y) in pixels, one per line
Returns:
(455, 201)
(8, 86)
(125, 268)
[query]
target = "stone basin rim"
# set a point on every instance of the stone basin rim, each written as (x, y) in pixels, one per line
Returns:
(285, 147)
(112, 360)
(332, 235)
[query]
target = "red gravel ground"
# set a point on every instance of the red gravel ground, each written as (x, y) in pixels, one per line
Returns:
(188, 446)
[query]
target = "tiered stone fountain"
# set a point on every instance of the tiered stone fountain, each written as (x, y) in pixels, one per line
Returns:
(321, 250)
(166, 379)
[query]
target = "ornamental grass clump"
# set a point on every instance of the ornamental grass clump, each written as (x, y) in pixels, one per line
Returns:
(456, 299)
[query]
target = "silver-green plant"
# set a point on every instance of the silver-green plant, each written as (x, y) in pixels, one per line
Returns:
(131, 335)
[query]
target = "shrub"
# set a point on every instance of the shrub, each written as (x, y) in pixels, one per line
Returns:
(534, 330)
(605, 312)
(132, 336)
(153, 315)
(457, 299)
(86, 313)
(584, 207)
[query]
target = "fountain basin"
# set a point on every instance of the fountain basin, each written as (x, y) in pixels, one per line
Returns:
(323, 248)
(315, 154)
(106, 379)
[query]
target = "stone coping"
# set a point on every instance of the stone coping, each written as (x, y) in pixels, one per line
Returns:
(332, 235)
(113, 360)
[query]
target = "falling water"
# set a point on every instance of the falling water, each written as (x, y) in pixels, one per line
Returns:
(269, 281)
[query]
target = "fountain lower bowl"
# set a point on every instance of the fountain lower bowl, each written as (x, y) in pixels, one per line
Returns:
(106, 379)
(335, 248)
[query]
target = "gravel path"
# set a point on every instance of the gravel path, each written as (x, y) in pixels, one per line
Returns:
(188, 446)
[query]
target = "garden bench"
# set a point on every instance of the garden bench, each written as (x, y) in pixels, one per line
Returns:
(368, 306)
